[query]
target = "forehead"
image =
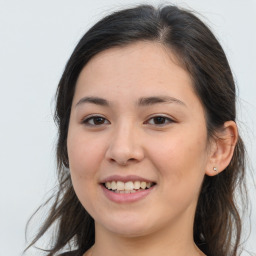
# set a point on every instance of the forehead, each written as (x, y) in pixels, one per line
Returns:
(145, 55)
(138, 68)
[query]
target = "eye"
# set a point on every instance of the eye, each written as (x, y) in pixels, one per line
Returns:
(159, 120)
(95, 121)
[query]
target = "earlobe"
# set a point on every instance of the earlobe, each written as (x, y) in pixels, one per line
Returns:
(222, 148)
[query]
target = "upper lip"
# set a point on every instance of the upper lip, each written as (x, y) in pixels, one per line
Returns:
(124, 178)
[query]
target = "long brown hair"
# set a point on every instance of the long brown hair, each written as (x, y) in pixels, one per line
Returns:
(217, 225)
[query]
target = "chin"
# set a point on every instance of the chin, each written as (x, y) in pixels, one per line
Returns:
(129, 231)
(129, 225)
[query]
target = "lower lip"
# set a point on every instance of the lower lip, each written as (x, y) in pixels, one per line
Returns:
(126, 198)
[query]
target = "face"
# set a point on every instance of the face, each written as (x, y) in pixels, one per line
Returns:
(137, 141)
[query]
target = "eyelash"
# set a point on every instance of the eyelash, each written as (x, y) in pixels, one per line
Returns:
(87, 120)
(103, 121)
(167, 120)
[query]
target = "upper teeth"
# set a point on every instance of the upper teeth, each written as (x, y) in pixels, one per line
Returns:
(127, 186)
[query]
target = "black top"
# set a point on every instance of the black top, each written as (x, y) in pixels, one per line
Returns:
(73, 253)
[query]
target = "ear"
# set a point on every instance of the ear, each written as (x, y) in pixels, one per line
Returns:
(222, 148)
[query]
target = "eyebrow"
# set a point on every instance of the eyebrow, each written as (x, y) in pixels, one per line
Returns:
(159, 99)
(144, 101)
(93, 100)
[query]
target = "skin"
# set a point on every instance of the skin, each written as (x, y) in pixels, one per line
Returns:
(175, 154)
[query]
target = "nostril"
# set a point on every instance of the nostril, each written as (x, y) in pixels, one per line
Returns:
(123, 162)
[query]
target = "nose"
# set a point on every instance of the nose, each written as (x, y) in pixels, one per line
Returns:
(125, 146)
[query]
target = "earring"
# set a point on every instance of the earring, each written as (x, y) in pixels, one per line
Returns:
(215, 169)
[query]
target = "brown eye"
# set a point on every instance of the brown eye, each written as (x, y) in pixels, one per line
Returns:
(98, 120)
(95, 121)
(160, 120)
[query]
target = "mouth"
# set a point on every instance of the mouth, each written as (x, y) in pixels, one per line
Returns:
(127, 187)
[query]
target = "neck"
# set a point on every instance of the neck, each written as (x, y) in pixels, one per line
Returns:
(177, 240)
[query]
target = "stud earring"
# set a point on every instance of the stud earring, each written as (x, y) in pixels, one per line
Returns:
(215, 169)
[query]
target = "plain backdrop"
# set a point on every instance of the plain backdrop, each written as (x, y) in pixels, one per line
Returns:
(36, 39)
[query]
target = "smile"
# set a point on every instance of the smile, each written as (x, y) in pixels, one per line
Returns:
(128, 187)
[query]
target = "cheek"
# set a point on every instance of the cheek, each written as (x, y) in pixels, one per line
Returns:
(83, 159)
(181, 160)
(84, 154)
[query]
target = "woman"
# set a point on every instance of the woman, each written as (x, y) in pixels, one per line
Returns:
(149, 153)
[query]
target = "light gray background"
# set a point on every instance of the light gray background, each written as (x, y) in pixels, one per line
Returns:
(36, 39)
